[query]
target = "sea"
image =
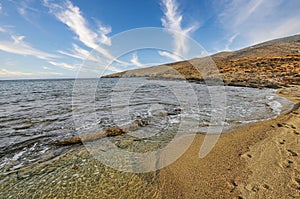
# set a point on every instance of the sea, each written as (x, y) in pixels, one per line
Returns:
(34, 114)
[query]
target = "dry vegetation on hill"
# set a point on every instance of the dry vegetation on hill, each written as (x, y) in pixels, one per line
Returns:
(271, 64)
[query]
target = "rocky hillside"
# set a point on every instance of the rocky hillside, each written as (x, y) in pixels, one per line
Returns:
(272, 64)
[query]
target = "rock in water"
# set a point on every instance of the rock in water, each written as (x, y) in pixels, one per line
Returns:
(109, 132)
(71, 141)
(91, 136)
(113, 131)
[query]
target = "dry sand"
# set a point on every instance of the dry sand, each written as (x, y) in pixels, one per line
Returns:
(260, 160)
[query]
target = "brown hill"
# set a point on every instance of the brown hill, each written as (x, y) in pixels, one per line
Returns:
(273, 64)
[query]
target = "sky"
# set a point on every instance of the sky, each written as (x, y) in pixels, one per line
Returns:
(58, 39)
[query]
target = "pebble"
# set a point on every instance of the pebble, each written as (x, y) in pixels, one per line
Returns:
(76, 175)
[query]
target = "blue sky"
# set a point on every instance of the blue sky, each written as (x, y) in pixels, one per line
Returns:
(53, 39)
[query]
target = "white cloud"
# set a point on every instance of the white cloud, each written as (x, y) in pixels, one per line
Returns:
(135, 60)
(10, 73)
(259, 20)
(71, 16)
(94, 69)
(21, 11)
(103, 31)
(4, 73)
(172, 20)
(2, 30)
(46, 74)
(72, 54)
(230, 41)
(169, 55)
(63, 65)
(28, 12)
(79, 53)
(93, 63)
(289, 27)
(281, 28)
(240, 11)
(0, 7)
(19, 46)
(18, 39)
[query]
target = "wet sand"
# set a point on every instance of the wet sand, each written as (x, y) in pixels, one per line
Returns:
(260, 160)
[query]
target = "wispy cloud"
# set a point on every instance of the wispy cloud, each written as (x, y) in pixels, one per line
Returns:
(4, 73)
(18, 39)
(169, 55)
(103, 31)
(289, 27)
(17, 45)
(71, 16)
(21, 11)
(172, 20)
(2, 30)
(10, 73)
(259, 20)
(230, 41)
(240, 11)
(63, 65)
(28, 12)
(93, 62)
(79, 53)
(135, 60)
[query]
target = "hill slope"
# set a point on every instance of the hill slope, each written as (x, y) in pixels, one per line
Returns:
(273, 64)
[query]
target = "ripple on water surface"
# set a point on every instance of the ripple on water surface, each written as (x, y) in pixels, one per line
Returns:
(35, 113)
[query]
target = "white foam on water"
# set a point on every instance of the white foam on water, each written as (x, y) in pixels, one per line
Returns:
(274, 104)
(33, 147)
(174, 120)
(249, 121)
(17, 166)
(5, 162)
(44, 150)
(156, 103)
(17, 155)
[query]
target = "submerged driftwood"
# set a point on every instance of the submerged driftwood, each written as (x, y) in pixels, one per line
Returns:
(108, 132)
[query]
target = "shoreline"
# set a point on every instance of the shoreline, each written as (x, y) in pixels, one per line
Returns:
(251, 161)
(234, 168)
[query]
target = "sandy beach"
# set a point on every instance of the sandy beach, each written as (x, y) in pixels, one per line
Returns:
(157, 99)
(259, 160)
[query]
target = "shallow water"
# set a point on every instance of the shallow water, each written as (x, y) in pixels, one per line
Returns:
(36, 112)
(78, 175)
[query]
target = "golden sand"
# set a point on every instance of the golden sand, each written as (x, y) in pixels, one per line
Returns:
(260, 160)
